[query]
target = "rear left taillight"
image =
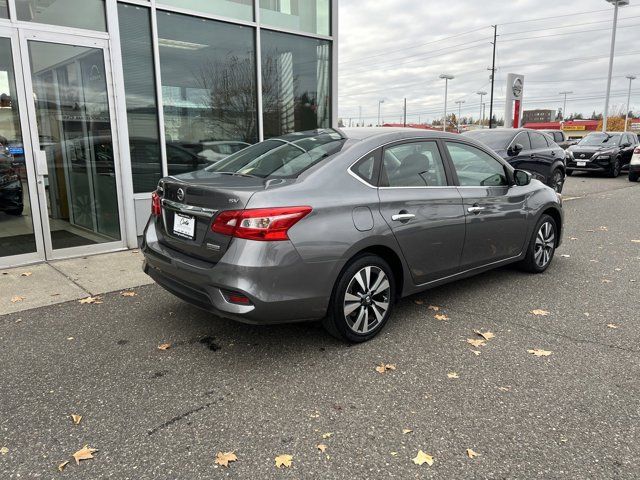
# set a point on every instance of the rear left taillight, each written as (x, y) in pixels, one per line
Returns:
(156, 208)
(263, 224)
(636, 151)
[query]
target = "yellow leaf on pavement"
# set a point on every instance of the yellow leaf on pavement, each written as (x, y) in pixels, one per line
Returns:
(4, 450)
(224, 458)
(542, 313)
(26, 274)
(476, 352)
(434, 308)
(327, 435)
(62, 465)
(612, 325)
(418, 301)
(476, 343)
(422, 457)
(284, 461)
(471, 453)
(322, 447)
(85, 453)
(128, 294)
(540, 353)
(164, 346)
(485, 335)
(76, 419)
(406, 430)
(95, 300)
(453, 375)
(383, 367)
(17, 299)
(441, 317)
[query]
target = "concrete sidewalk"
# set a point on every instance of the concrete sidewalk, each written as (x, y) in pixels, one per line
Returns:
(44, 284)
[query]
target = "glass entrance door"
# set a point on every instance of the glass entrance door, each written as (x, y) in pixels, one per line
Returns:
(73, 137)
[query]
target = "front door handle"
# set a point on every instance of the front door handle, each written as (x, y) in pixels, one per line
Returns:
(402, 217)
(475, 209)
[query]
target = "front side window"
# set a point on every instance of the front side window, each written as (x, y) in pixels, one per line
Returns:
(476, 168)
(557, 136)
(416, 164)
(286, 156)
(208, 85)
(523, 139)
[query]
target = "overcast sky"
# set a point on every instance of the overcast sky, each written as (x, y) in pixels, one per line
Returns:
(395, 49)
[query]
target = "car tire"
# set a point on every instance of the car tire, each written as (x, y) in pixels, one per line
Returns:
(356, 313)
(542, 246)
(556, 180)
(614, 171)
(633, 176)
(16, 212)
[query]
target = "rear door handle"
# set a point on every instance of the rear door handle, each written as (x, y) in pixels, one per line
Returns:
(402, 217)
(475, 209)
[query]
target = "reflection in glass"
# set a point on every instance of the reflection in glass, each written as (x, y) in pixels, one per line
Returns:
(88, 14)
(74, 129)
(296, 77)
(4, 11)
(240, 9)
(208, 90)
(140, 89)
(16, 222)
(311, 16)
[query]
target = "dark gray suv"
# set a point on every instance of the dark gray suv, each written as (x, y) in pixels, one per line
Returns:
(339, 224)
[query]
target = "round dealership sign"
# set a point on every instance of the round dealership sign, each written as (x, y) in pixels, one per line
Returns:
(517, 87)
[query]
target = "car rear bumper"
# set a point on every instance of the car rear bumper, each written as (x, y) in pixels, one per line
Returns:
(282, 287)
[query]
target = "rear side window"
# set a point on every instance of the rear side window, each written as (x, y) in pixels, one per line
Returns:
(366, 169)
(538, 140)
(415, 164)
(557, 136)
(476, 168)
(523, 139)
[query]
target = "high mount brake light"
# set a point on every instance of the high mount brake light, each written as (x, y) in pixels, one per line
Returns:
(263, 224)
(156, 208)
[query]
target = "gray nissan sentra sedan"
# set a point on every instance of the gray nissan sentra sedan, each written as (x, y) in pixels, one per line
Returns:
(339, 224)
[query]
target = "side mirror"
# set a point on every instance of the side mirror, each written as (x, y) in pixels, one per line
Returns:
(521, 178)
(625, 145)
(516, 149)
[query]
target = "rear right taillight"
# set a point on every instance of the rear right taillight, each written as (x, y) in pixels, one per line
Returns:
(636, 151)
(156, 207)
(262, 224)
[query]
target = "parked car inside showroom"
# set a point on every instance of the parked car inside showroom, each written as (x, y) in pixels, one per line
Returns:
(528, 150)
(336, 225)
(602, 152)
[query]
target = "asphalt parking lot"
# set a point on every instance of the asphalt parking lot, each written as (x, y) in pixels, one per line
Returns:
(264, 392)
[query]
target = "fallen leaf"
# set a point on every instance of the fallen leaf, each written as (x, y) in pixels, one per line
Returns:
(617, 269)
(476, 352)
(164, 346)
(422, 457)
(606, 280)
(223, 459)
(383, 367)
(504, 389)
(62, 465)
(418, 302)
(17, 299)
(322, 447)
(565, 255)
(453, 375)
(542, 313)
(284, 461)
(314, 415)
(635, 241)
(573, 238)
(26, 274)
(440, 317)
(603, 229)
(406, 430)
(434, 308)
(586, 314)
(327, 435)
(76, 419)
(393, 454)
(471, 453)
(540, 353)
(485, 335)
(84, 453)
(89, 300)
(128, 294)
(476, 343)
(612, 325)
(69, 338)
(4, 450)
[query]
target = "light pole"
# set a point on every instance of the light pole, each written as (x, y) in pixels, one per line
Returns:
(564, 108)
(626, 117)
(482, 93)
(446, 78)
(616, 4)
(380, 102)
(459, 102)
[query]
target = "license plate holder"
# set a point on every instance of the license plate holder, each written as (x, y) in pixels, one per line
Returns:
(184, 226)
(582, 164)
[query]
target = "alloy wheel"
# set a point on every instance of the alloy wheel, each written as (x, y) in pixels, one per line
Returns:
(366, 300)
(545, 244)
(557, 181)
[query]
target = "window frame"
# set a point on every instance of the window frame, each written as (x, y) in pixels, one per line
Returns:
(505, 165)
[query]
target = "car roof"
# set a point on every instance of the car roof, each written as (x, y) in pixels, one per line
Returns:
(366, 133)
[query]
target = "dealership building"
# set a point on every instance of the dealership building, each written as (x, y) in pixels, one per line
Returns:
(101, 98)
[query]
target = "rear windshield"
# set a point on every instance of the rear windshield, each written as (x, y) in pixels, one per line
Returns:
(286, 156)
(495, 139)
(600, 139)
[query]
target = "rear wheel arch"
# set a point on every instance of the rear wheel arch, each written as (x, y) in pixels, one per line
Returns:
(388, 255)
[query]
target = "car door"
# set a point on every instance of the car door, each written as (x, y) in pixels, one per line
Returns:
(542, 156)
(627, 151)
(495, 211)
(423, 208)
(523, 159)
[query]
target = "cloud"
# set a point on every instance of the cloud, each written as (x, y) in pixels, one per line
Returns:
(397, 49)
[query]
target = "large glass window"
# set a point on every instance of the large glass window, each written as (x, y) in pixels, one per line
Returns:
(88, 14)
(240, 9)
(311, 16)
(4, 10)
(140, 89)
(208, 89)
(296, 83)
